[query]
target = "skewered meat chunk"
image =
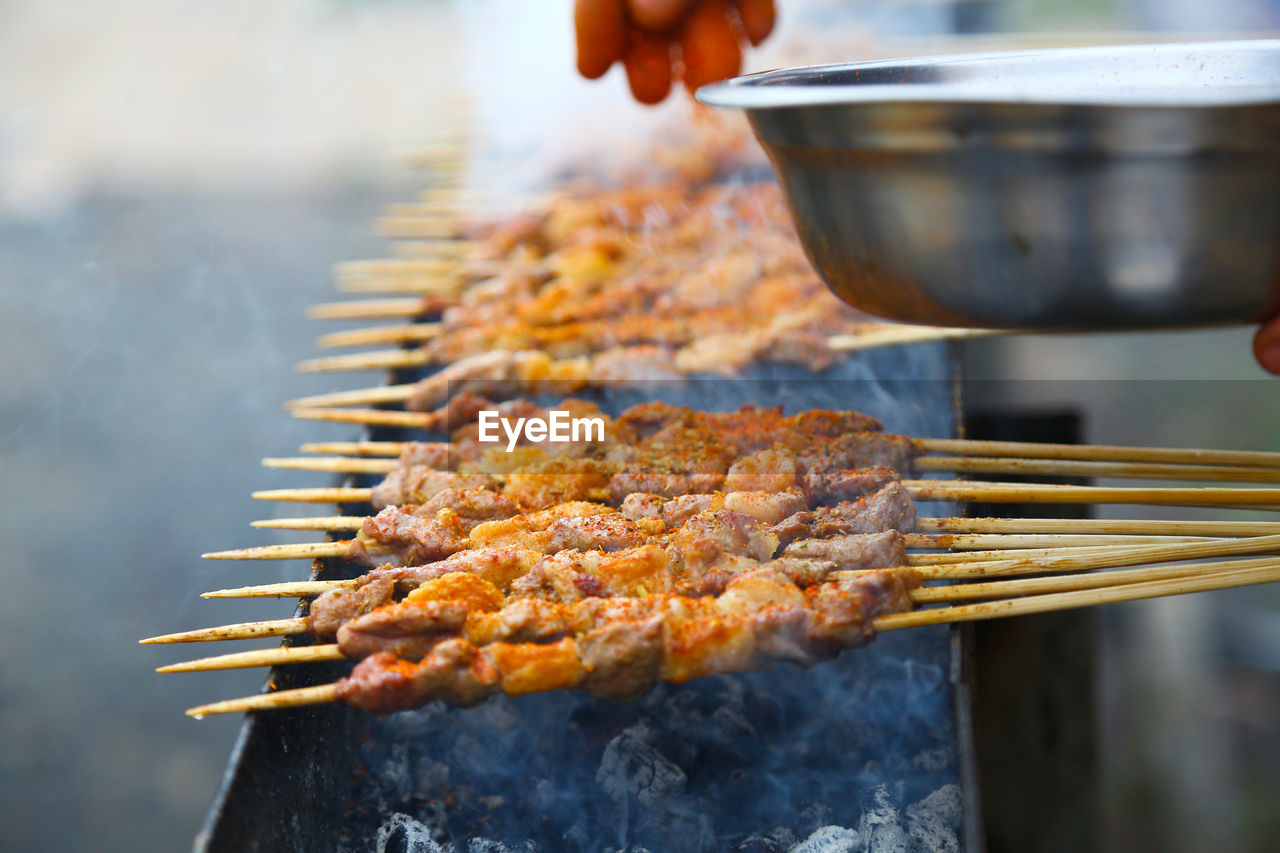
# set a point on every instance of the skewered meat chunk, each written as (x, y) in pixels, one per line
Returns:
(854, 550)
(557, 480)
(336, 607)
(611, 532)
(416, 484)
(763, 471)
(473, 506)
(532, 529)
(844, 484)
(623, 651)
(710, 535)
(412, 539)
(708, 278)
(890, 508)
(569, 576)
(497, 566)
(769, 507)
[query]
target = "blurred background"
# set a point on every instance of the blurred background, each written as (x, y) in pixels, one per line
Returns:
(176, 180)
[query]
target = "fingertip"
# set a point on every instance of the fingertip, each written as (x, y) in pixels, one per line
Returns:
(1266, 347)
(657, 15)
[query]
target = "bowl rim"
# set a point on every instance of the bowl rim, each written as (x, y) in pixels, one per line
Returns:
(789, 87)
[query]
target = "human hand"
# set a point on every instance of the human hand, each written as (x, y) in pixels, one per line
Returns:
(653, 38)
(1266, 345)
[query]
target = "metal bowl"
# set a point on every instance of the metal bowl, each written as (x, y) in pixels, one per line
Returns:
(1075, 188)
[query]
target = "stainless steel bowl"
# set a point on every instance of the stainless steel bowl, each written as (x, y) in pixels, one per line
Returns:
(1076, 188)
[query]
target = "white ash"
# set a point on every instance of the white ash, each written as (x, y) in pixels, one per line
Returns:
(631, 764)
(400, 833)
(881, 824)
(932, 823)
(830, 839)
(484, 845)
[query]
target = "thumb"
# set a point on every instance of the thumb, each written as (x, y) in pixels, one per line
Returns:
(1266, 346)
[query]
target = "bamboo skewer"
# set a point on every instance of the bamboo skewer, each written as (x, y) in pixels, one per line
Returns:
(1101, 452)
(950, 490)
(324, 523)
(1008, 552)
(264, 657)
(241, 631)
(360, 396)
(1016, 453)
(291, 551)
(355, 448)
(1159, 527)
(396, 359)
(370, 417)
(1083, 468)
(396, 267)
(437, 248)
(408, 333)
(967, 464)
(336, 495)
(1085, 580)
(294, 698)
(332, 464)
(411, 308)
(996, 492)
(1080, 598)
(974, 541)
(969, 565)
(368, 309)
(1015, 588)
(1003, 453)
(417, 227)
(1108, 558)
(317, 550)
(890, 335)
(288, 589)
(1036, 603)
(956, 532)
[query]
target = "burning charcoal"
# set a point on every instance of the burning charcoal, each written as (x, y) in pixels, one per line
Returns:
(758, 844)
(830, 839)
(881, 825)
(402, 834)
(632, 765)
(933, 822)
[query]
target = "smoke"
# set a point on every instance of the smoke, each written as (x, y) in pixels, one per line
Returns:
(857, 754)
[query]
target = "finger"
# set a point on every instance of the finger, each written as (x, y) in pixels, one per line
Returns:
(601, 29)
(758, 18)
(709, 45)
(648, 64)
(1266, 346)
(657, 15)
